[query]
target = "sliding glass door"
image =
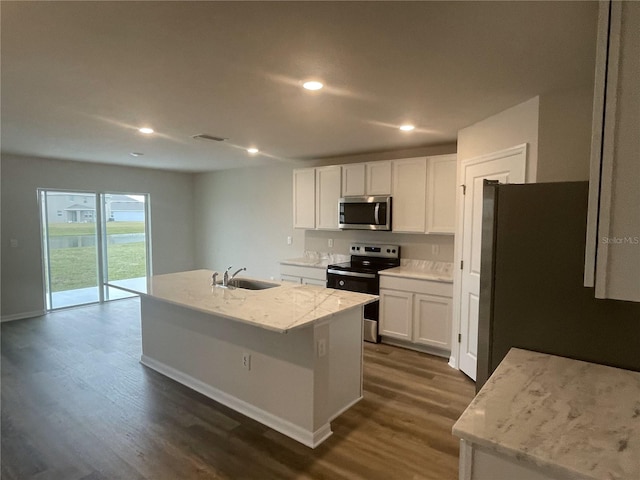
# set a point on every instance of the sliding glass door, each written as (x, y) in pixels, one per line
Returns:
(125, 243)
(71, 248)
(91, 239)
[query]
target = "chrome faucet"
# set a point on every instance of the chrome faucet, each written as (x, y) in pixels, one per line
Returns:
(225, 278)
(237, 272)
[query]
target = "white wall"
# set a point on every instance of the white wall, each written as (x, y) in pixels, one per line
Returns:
(171, 204)
(564, 143)
(556, 126)
(243, 218)
(514, 126)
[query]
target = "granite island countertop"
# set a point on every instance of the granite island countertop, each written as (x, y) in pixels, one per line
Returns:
(422, 270)
(562, 417)
(319, 260)
(283, 308)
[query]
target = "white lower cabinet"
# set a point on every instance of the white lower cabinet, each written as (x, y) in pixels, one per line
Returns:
(303, 275)
(432, 321)
(416, 312)
(395, 314)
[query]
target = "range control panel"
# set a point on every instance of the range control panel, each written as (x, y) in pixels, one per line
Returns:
(368, 250)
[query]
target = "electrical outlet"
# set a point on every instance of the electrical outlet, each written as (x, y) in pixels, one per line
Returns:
(14, 243)
(246, 361)
(289, 240)
(435, 249)
(330, 243)
(322, 347)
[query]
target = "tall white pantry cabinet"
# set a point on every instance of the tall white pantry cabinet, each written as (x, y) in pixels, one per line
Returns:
(612, 259)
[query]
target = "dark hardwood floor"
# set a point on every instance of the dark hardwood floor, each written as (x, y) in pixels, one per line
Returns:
(77, 404)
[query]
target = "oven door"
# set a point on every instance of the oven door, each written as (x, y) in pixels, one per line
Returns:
(362, 283)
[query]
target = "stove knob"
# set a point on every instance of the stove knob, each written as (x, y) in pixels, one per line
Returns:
(341, 283)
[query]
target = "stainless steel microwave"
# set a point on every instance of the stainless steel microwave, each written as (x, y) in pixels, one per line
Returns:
(364, 213)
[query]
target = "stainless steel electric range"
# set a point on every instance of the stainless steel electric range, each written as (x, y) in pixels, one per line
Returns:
(361, 275)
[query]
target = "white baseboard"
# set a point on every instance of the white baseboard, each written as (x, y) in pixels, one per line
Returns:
(453, 362)
(347, 407)
(306, 437)
(416, 346)
(21, 316)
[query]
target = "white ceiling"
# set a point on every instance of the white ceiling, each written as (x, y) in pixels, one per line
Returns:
(79, 78)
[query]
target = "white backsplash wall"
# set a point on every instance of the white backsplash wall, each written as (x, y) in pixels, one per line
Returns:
(414, 246)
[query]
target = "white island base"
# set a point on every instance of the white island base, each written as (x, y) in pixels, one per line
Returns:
(295, 382)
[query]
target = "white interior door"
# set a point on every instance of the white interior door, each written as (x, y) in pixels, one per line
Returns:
(508, 166)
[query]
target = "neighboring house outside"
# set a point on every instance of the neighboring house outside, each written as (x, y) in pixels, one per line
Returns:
(67, 207)
(123, 208)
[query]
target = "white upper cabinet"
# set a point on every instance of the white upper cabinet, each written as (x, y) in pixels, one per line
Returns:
(409, 195)
(328, 181)
(304, 198)
(378, 178)
(353, 179)
(372, 178)
(612, 259)
(441, 194)
(423, 191)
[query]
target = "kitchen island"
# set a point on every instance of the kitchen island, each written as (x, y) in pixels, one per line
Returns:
(289, 356)
(544, 417)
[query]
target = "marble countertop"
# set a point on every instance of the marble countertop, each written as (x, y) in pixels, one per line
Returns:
(563, 417)
(307, 262)
(283, 308)
(316, 259)
(422, 270)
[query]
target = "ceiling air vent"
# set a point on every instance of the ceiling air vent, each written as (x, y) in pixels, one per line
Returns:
(213, 138)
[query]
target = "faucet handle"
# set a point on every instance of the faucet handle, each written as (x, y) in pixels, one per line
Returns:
(213, 278)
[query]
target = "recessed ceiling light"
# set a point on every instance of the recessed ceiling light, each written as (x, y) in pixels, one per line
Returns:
(312, 85)
(252, 150)
(136, 154)
(146, 130)
(407, 128)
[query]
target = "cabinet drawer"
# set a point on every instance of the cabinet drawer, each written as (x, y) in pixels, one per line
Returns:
(290, 278)
(417, 286)
(306, 272)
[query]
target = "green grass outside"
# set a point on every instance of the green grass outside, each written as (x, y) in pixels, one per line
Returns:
(73, 268)
(61, 229)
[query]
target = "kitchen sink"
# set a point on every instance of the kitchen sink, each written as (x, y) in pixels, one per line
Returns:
(248, 284)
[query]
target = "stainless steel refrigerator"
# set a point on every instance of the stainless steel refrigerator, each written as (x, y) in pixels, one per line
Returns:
(531, 281)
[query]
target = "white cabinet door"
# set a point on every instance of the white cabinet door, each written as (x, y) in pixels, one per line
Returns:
(304, 198)
(432, 321)
(395, 314)
(379, 178)
(353, 179)
(409, 194)
(328, 192)
(441, 194)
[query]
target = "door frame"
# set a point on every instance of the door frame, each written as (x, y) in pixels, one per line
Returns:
(104, 278)
(458, 239)
(101, 253)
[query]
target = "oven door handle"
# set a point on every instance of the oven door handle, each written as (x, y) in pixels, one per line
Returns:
(351, 274)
